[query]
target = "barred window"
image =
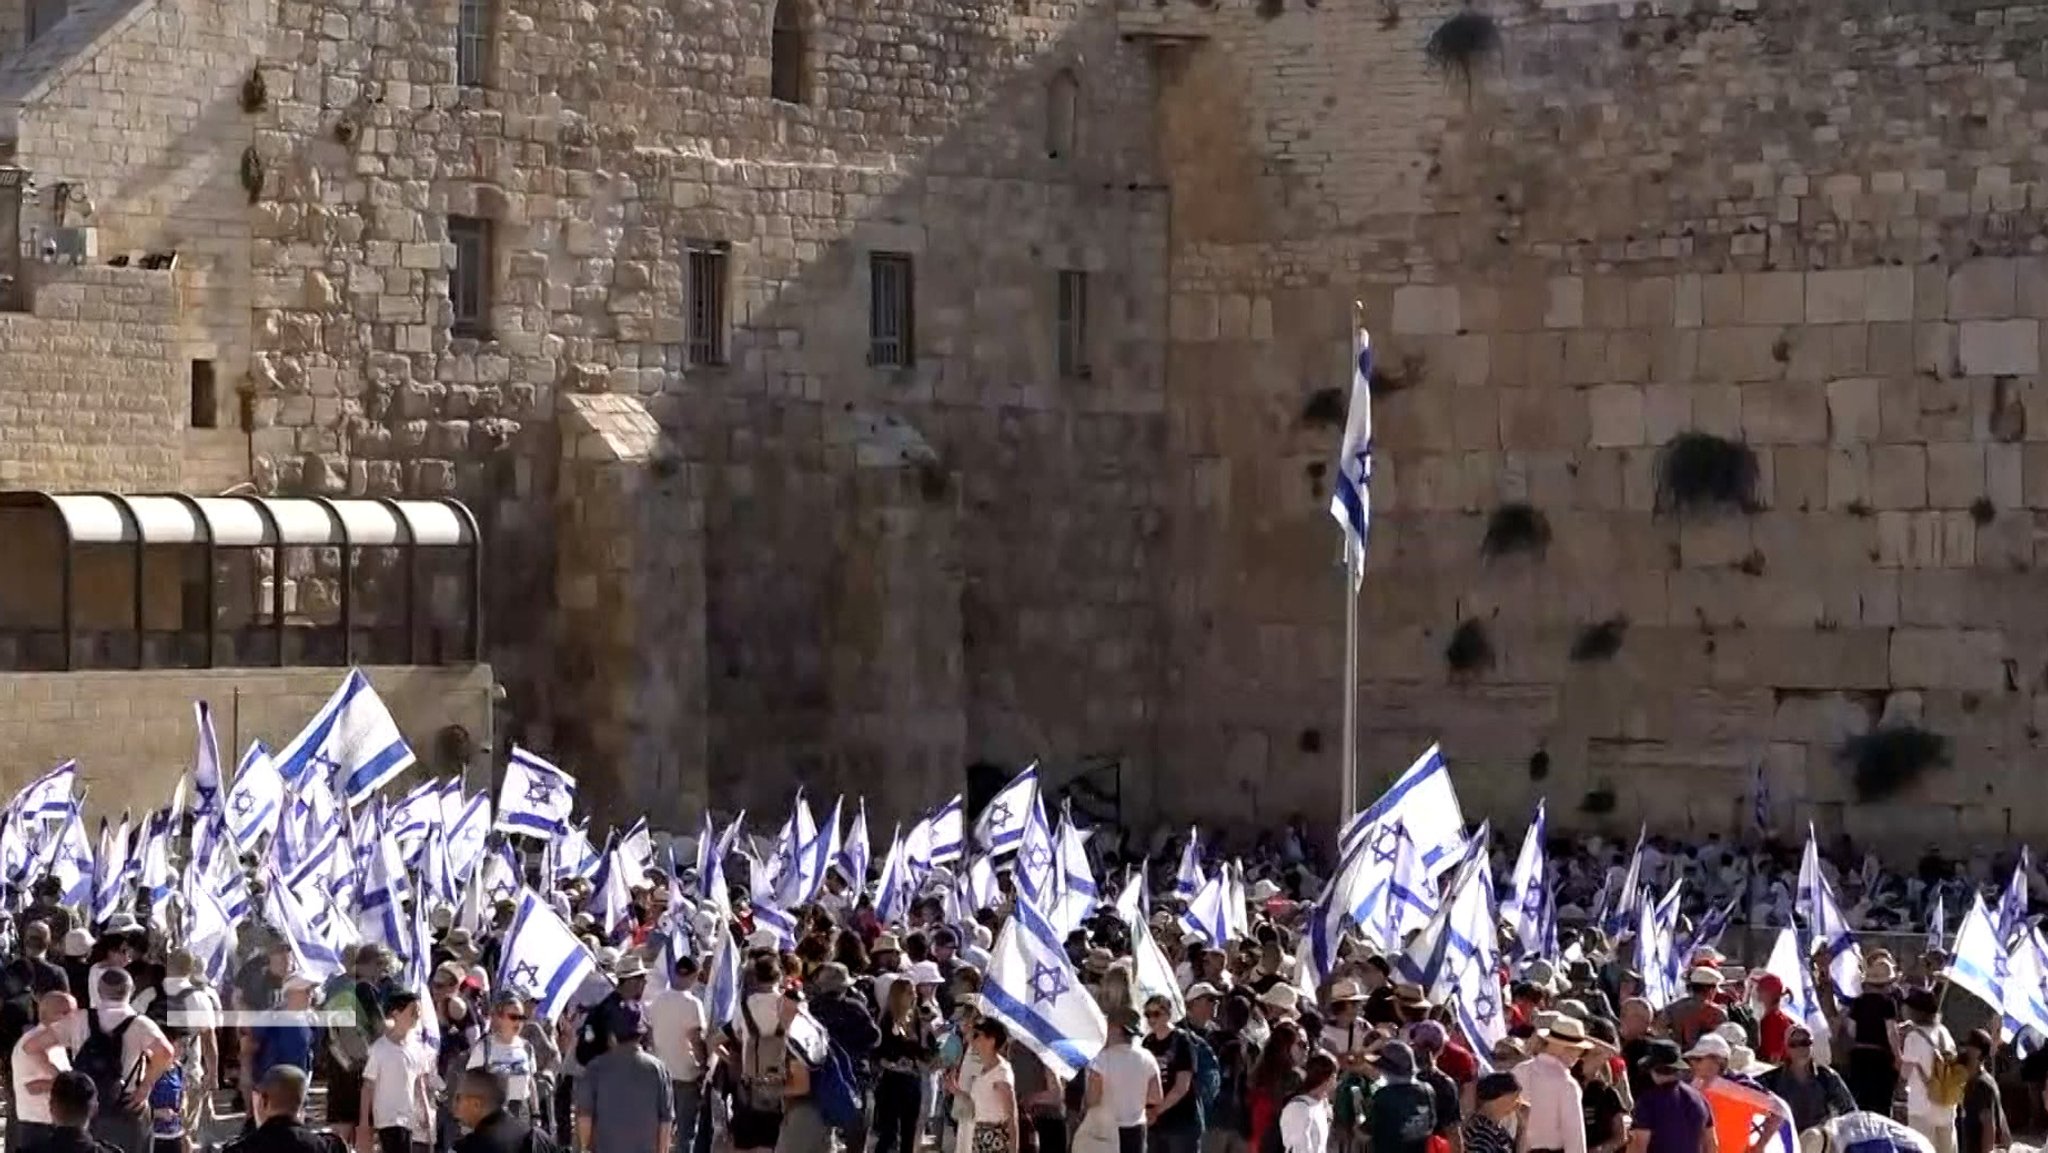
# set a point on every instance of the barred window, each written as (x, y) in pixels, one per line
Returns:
(469, 282)
(891, 311)
(472, 42)
(1070, 326)
(705, 272)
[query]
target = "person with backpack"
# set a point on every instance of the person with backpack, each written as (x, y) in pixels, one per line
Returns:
(124, 1053)
(1177, 1122)
(1304, 1122)
(1934, 1073)
(624, 1100)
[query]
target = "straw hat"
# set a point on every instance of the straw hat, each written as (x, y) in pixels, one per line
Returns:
(1569, 1032)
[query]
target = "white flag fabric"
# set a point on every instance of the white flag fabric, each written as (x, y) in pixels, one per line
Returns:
(1032, 988)
(352, 742)
(1424, 802)
(1978, 964)
(537, 798)
(1000, 828)
(48, 797)
(1351, 498)
(543, 961)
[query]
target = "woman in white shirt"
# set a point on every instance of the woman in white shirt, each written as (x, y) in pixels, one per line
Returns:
(995, 1090)
(1123, 1080)
(506, 1052)
(1305, 1122)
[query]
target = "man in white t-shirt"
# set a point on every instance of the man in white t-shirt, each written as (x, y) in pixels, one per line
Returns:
(120, 952)
(398, 1084)
(35, 1067)
(1123, 1079)
(675, 1019)
(145, 1054)
(1922, 1044)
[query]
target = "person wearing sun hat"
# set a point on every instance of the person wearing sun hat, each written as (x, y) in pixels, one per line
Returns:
(1556, 1122)
(1869, 1063)
(1673, 1116)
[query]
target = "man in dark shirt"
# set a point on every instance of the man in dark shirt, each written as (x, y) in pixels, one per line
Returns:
(607, 1020)
(1814, 1092)
(1177, 1125)
(1401, 1117)
(73, 1100)
(1495, 1098)
(281, 1128)
(480, 1105)
(1980, 1123)
(1428, 1039)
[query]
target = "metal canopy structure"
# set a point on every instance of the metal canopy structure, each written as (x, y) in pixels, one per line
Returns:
(249, 522)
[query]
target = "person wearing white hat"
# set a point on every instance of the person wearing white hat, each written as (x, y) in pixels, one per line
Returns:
(1696, 1013)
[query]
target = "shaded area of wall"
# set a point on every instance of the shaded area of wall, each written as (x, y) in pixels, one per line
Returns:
(1637, 225)
(628, 694)
(132, 733)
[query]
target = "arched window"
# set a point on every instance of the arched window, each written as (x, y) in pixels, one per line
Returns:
(1062, 111)
(786, 80)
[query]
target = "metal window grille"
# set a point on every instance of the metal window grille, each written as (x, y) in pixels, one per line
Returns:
(891, 310)
(706, 269)
(469, 280)
(472, 42)
(1070, 325)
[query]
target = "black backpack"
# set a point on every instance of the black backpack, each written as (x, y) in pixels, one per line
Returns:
(100, 1057)
(164, 1007)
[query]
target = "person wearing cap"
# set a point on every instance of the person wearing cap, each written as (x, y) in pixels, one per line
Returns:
(1773, 1022)
(505, 1052)
(676, 1022)
(1813, 1091)
(1401, 1115)
(1557, 1115)
(287, 1041)
(1698, 1012)
(396, 1114)
(625, 1098)
(1925, 1046)
(1670, 1116)
(1497, 1101)
(1201, 999)
(1124, 1081)
(602, 1025)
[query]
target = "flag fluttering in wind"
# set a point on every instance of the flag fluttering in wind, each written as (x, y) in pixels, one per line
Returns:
(1032, 988)
(352, 742)
(543, 961)
(1351, 499)
(537, 798)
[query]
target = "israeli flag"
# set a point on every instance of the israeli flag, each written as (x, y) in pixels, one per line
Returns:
(209, 932)
(722, 986)
(536, 798)
(1979, 964)
(412, 816)
(1616, 913)
(611, 898)
(945, 834)
(543, 961)
(1000, 828)
(312, 955)
(466, 835)
(154, 862)
(571, 855)
(352, 741)
(109, 892)
(1787, 962)
(380, 914)
(1208, 915)
(205, 763)
(854, 855)
(1074, 880)
(1937, 926)
(980, 883)
(1188, 880)
(1423, 800)
(1130, 900)
(1405, 898)
(1826, 924)
(1351, 502)
(1152, 973)
(894, 891)
(1532, 919)
(48, 797)
(2012, 903)
(1032, 988)
(1455, 958)
(636, 852)
(2026, 992)
(1036, 856)
(70, 860)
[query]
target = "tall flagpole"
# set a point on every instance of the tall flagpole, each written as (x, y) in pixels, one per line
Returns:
(1348, 788)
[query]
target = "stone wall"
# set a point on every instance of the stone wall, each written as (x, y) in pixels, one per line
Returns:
(1811, 230)
(132, 733)
(92, 392)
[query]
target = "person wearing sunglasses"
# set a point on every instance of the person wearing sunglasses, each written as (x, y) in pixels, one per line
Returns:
(505, 1052)
(1815, 1092)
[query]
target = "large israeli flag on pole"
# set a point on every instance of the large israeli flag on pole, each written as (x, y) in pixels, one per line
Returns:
(48, 797)
(352, 741)
(543, 960)
(1032, 988)
(1351, 501)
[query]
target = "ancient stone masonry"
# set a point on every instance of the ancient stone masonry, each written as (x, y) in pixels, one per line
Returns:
(852, 393)
(1815, 232)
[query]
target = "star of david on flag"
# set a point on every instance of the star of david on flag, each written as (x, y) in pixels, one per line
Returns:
(537, 797)
(543, 960)
(353, 742)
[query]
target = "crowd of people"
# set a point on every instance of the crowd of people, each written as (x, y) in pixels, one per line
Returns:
(117, 1041)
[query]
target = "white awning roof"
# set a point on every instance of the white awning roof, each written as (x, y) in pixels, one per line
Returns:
(251, 521)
